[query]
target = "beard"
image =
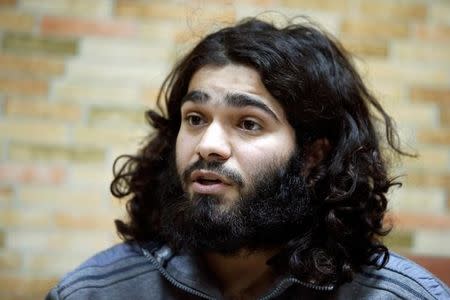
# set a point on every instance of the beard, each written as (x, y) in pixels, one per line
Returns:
(273, 210)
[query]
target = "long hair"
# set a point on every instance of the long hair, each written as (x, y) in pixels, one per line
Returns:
(313, 78)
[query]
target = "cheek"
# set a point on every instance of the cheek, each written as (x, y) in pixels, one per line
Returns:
(182, 153)
(255, 157)
(252, 160)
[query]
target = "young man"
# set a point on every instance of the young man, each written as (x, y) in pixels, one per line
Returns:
(264, 179)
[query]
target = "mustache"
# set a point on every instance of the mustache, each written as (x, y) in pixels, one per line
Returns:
(214, 166)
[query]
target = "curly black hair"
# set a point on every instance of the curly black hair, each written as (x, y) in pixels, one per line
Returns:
(324, 97)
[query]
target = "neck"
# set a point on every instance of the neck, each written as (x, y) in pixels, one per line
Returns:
(243, 275)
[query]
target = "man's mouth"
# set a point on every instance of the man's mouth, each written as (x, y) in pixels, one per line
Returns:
(208, 177)
(207, 182)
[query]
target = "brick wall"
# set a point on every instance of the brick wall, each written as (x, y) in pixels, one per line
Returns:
(76, 76)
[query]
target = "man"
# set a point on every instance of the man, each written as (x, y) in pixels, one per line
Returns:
(264, 180)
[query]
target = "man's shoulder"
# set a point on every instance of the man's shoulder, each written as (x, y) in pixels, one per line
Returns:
(116, 265)
(399, 278)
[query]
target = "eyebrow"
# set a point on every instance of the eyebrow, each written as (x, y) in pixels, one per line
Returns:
(231, 99)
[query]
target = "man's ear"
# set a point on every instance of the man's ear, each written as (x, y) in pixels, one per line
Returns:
(315, 152)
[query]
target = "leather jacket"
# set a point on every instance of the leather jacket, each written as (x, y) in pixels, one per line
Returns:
(152, 271)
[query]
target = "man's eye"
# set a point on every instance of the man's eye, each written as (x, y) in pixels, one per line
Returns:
(250, 125)
(194, 120)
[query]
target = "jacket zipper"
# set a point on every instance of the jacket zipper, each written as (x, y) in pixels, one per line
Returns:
(273, 294)
(291, 280)
(171, 279)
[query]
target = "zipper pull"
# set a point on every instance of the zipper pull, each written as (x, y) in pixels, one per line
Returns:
(163, 254)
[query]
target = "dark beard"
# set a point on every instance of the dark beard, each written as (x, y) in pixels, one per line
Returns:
(276, 210)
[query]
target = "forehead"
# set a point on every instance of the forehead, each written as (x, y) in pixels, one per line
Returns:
(228, 77)
(231, 78)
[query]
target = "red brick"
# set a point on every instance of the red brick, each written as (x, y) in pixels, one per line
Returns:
(100, 136)
(23, 86)
(252, 2)
(33, 152)
(378, 70)
(110, 116)
(78, 241)
(10, 260)
(31, 44)
(399, 240)
(41, 109)
(149, 10)
(418, 200)
(417, 114)
(332, 5)
(439, 12)
(13, 21)
(374, 28)
(149, 96)
(25, 287)
(175, 11)
(432, 242)
(433, 32)
(436, 136)
(119, 73)
(427, 179)
(25, 218)
(13, 64)
(53, 263)
(445, 116)
(448, 199)
(435, 95)
(411, 221)
(2, 239)
(6, 195)
(100, 221)
(32, 131)
(79, 27)
(432, 53)
(186, 39)
(429, 157)
(375, 48)
(51, 198)
(92, 92)
(29, 173)
(8, 2)
(391, 9)
(91, 175)
(83, 8)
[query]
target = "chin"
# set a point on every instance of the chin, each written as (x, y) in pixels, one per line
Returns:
(221, 202)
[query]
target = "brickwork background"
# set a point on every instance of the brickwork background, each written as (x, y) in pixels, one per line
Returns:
(76, 76)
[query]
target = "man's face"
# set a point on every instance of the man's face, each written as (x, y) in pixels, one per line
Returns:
(232, 130)
(237, 182)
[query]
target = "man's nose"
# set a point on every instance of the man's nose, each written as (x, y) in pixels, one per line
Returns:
(214, 143)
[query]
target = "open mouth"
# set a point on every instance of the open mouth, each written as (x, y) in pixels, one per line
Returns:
(208, 182)
(205, 181)
(204, 177)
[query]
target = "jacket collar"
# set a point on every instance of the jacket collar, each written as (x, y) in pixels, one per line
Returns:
(190, 271)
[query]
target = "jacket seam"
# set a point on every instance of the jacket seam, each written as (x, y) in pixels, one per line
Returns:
(106, 265)
(400, 284)
(425, 271)
(416, 281)
(106, 285)
(100, 276)
(380, 288)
